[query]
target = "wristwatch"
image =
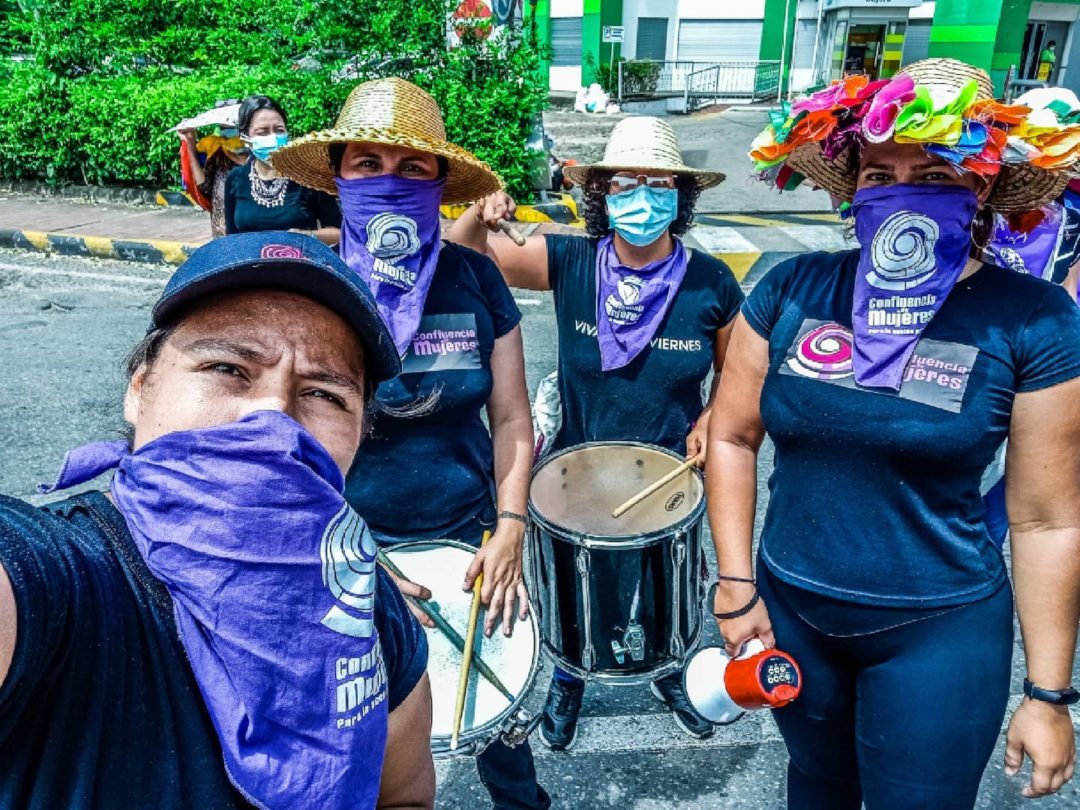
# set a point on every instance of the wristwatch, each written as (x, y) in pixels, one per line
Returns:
(1059, 697)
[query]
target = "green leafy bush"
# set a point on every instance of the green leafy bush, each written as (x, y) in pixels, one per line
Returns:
(96, 103)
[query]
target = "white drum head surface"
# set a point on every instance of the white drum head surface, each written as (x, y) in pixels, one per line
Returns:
(579, 489)
(440, 567)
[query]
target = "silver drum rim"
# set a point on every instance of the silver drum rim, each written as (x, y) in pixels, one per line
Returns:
(617, 540)
(476, 739)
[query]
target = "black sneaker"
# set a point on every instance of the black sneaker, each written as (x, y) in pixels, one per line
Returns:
(671, 693)
(558, 727)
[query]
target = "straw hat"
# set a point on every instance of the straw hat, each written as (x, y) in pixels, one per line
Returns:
(389, 111)
(1019, 187)
(643, 142)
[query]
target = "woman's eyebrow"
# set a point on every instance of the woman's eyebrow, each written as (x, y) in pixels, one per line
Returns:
(883, 166)
(218, 346)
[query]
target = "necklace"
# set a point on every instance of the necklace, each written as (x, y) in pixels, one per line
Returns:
(268, 193)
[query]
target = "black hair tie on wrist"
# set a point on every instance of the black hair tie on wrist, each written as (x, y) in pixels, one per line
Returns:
(750, 580)
(741, 611)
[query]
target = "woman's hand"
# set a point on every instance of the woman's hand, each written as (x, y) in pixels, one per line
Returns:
(1043, 732)
(500, 559)
(410, 588)
(188, 136)
(697, 440)
(495, 208)
(731, 597)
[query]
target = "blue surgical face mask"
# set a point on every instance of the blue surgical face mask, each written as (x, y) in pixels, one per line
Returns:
(229, 132)
(262, 146)
(643, 215)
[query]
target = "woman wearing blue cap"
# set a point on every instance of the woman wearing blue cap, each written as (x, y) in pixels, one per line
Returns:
(176, 640)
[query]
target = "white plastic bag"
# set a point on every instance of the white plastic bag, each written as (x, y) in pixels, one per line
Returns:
(547, 415)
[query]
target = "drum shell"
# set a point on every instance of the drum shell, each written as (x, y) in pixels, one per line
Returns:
(583, 589)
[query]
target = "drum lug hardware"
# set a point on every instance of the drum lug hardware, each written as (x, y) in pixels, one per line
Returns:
(519, 727)
(588, 653)
(633, 642)
(679, 552)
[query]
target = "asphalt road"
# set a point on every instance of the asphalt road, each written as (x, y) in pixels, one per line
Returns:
(65, 328)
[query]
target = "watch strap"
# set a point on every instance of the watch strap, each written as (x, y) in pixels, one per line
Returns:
(1059, 697)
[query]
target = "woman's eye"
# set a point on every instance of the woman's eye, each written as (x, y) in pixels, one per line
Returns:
(879, 177)
(937, 177)
(319, 393)
(225, 368)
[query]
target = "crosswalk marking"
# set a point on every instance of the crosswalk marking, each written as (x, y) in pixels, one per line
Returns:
(720, 239)
(817, 237)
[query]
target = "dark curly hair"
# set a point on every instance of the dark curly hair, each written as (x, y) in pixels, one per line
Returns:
(598, 183)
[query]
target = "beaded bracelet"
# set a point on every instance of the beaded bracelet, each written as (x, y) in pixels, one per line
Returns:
(513, 516)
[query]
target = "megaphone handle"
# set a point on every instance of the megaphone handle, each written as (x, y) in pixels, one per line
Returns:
(750, 648)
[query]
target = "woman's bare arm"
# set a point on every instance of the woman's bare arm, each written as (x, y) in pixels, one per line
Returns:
(1042, 488)
(525, 267)
(7, 624)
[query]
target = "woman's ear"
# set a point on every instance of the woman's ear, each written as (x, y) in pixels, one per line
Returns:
(986, 190)
(133, 395)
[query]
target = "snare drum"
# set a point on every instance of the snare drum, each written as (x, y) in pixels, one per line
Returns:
(618, 599)
(440, 565)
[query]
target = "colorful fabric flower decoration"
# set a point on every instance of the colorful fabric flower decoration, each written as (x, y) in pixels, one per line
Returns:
(878, 123)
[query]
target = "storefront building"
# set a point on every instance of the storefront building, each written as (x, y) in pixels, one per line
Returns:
(812, 41)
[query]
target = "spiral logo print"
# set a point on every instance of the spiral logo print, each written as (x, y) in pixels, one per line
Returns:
(392, 237)
(281, 252)
(630, 289)
(823, 353)
(903, 252)
(348, 567)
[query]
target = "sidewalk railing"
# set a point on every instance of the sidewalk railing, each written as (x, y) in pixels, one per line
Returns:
(730, 81)
(643, 79)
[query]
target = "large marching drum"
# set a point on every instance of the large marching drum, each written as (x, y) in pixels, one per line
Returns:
(618, 600)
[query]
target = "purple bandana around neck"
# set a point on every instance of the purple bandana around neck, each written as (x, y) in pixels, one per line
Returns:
(390, 236)
(632, 301)
(273, 582)
(1032, 252)
(915, 243)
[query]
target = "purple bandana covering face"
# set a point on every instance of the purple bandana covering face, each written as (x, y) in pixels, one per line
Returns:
(915, 241)
(632, 301)
(1032, 252)
(390, 236)
(272, 576)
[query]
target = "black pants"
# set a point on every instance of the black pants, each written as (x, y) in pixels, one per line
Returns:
(903, 718)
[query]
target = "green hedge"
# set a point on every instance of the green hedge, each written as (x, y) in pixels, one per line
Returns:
(62, 122)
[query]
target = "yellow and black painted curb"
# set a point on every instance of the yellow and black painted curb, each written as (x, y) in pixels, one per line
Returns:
(150, 251)
(562, 212)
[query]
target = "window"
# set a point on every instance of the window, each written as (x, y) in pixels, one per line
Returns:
(565, 41)
(651, 38)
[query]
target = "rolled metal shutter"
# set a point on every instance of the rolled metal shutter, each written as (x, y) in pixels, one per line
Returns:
(719, 40)
(565, 41)
(651, 38)
(917, 41)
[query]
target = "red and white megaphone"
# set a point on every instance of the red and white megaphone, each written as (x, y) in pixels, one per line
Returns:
(722, 688)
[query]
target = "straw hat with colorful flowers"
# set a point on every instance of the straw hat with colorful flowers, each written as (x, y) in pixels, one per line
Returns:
(944, 104)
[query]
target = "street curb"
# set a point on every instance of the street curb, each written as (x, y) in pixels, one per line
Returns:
(560, 213)
(154, 251)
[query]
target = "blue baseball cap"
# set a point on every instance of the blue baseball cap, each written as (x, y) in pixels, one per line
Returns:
(280, 260)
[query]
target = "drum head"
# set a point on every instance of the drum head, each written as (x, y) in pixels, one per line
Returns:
(440, 565)
(578, 489)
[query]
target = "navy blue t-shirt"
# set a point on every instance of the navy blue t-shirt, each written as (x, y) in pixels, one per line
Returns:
(875, 496)
(427, 471)
(657, 396)
(100, 708)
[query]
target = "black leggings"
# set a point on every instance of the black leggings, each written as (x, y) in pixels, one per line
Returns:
(901, 719)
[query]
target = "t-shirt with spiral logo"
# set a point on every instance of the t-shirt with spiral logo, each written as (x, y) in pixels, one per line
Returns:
(875, 494)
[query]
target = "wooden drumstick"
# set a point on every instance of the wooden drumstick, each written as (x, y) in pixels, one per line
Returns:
(512, 232)
(453, 636)
(653, 487)
(466, 657)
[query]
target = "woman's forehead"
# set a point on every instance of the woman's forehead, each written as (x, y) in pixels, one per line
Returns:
(276, 320)
(361, 148)
(891, 154)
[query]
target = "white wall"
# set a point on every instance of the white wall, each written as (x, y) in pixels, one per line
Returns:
(565, 78)
(923, 12)
(567, 8)
(632, 9)
(721, 9)
(1055, 12)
